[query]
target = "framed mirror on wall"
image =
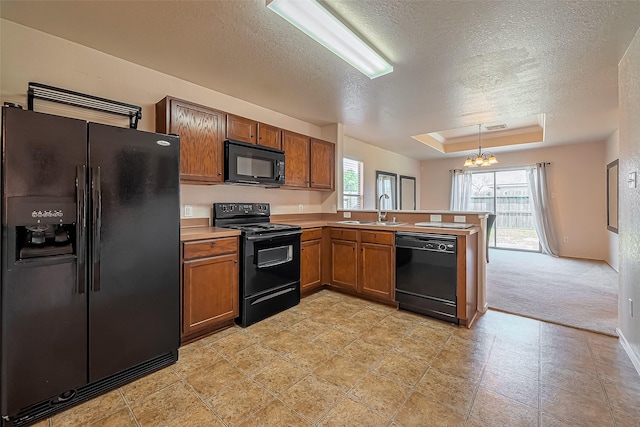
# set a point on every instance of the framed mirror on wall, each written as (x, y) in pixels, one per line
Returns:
(407, 193)
(386, 183)
(612, 196)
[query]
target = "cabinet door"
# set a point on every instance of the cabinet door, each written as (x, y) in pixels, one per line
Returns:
(269, 136)
(322, 164)
(310, 265)
(241, 129)
(210, 293)
(377, 271)
(201, 133)
(344, 263)
(296, 149)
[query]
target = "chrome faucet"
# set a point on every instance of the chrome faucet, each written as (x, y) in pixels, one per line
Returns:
(382, 217)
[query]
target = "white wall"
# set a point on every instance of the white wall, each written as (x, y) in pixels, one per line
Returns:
(577, 177)
(376, 158)
(612, 153)
(629, 223)
(30, 55)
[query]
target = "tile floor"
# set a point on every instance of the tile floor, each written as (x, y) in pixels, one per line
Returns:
(335, 360)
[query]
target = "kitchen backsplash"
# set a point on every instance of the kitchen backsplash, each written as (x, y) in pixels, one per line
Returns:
(201, 197)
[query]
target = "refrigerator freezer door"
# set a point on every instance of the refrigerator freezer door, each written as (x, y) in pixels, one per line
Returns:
(44, 316)
(134, 313)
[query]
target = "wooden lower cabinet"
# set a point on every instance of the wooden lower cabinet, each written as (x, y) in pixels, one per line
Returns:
(210, 290)
(377, 271)
(344, 263)
(311, 260)
(364, 262)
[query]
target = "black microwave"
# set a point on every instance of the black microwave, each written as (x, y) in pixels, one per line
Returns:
(253, 164)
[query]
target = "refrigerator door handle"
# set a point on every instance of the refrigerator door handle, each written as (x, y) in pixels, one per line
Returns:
(96, 199)
(81, 226)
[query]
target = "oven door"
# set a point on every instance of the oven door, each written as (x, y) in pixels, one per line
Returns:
(270, 262)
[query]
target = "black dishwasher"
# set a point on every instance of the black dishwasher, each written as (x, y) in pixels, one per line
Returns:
(426, 274)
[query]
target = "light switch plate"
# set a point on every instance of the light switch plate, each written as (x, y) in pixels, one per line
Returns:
(632, 180)
(188, 211)
(435, 218)
(346, 214)
(459, 218)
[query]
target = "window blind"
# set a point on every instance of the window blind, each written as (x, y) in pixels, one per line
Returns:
(352, 177)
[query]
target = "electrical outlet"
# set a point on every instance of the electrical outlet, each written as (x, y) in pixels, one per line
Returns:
(566, 240)
(188, 210)
(346, 214)
(435, 218)
(459, 218)
(300, 208)
(630, 307)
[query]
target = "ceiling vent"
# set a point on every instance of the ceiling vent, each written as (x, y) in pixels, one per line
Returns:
(496, 127)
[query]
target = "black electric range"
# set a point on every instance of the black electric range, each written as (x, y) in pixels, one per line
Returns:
(269, 259)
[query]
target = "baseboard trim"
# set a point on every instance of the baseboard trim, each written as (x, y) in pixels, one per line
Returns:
(485, 308)
(627, 347)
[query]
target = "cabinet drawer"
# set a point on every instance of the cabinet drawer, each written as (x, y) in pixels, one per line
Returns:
(380, 237)
(209, 248)
(344, 234)
(312, 234)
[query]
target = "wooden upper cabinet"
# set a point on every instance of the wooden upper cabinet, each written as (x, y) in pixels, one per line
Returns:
(322, 164)
(242, 129)
(296, 151)
(269, 136)
(201, 131)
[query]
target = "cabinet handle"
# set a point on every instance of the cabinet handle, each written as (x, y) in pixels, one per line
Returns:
(235, 261)
(213, 244)
(219, 173)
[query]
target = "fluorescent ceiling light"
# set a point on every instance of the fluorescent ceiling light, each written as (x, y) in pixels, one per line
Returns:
(315, 21)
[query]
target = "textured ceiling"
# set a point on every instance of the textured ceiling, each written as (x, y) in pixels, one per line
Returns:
(456, 63)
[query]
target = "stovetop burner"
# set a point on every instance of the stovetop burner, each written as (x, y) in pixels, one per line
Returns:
(262, 227)
(249, 218)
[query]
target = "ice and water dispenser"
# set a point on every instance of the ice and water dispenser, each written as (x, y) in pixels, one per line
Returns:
(41, 227)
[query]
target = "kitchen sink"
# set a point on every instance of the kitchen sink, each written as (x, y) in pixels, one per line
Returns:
(388, 224)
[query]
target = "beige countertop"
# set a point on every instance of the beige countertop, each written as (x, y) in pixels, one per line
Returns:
(201, 233)
(305, 224)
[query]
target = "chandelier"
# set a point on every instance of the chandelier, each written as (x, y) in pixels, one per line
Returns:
(480, 158)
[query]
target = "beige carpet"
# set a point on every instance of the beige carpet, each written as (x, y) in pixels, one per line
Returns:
(568, 291)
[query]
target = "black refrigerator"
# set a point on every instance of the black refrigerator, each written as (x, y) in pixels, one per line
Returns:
(90, 260)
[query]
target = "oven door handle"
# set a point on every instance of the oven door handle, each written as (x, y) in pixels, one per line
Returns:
(273, 295)
(273, 235)
(274, 263)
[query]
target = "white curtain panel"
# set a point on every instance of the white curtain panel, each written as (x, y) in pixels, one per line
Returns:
(540, 201)
(460, 190)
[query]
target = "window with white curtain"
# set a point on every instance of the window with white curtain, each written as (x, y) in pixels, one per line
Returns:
(352, 176)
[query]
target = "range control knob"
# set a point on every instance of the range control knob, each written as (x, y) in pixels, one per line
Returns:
(442, 247)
